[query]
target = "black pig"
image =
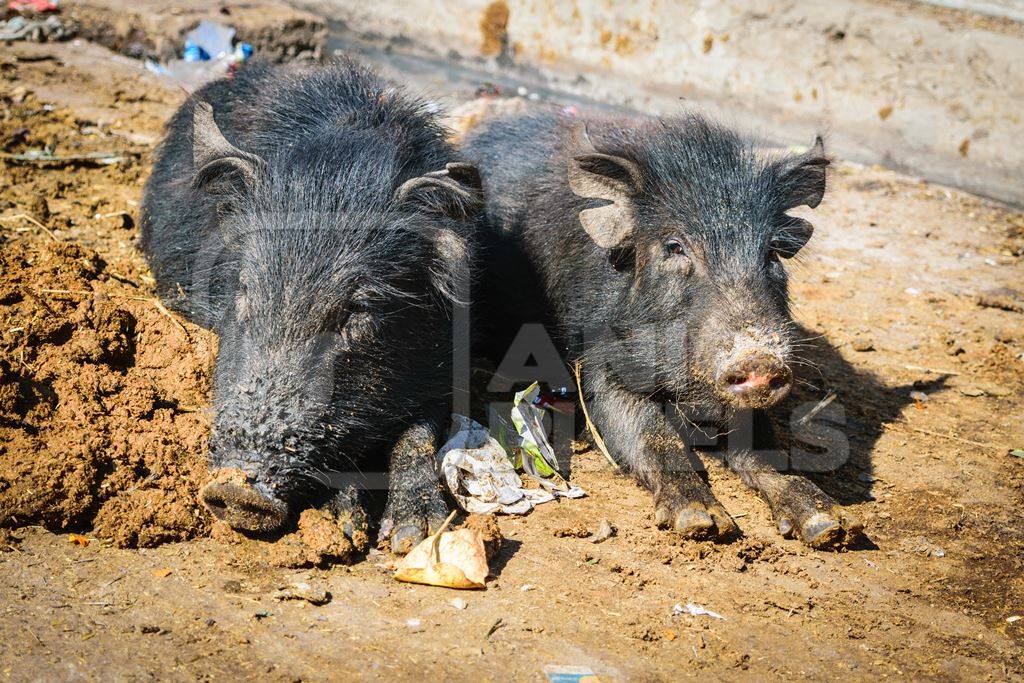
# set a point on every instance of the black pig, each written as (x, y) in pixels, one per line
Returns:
(656, 247)
(317, 220)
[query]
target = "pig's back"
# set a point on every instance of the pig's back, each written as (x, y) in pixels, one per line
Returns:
(512, 154)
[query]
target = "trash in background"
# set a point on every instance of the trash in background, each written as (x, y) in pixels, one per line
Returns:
(532, 452)
(30, 24)
(557, 673)
(209, 53)
(695, 610)
(33, 6)
(480, 475)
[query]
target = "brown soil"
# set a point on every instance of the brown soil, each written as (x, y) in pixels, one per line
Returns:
(102, 427)
(490, 532)
(101, 396)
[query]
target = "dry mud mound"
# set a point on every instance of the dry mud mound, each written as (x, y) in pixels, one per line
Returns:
(101, 391)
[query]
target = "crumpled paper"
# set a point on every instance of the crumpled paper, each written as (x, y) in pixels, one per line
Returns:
(450, 559)
(481, 477)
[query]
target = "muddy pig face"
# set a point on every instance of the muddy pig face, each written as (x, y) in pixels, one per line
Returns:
(696, 222)
(316, 336)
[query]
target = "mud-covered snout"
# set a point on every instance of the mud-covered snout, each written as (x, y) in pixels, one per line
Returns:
(757, 379)
(233, 497)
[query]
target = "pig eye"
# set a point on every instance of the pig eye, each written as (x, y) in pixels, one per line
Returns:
(355, 311)
(674, 247)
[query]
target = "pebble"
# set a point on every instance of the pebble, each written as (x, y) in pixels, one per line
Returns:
(458, 603)
(1005, 335)
(314, 595)
(863, 343)
(39, 208)
(605, 530)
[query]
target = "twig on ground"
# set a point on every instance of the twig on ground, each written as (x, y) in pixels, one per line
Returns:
(590, 425)
(34, 295)
(45, 158)
(122, 278)
(920, 368)
(960, 439)
(817, 409)
(163, 309)
(30, 219)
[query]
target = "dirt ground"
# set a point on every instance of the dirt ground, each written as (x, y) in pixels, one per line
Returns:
(912, 294)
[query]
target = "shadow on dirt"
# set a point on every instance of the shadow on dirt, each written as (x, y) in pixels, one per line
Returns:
(509, 547)
(828, 425)
(862, 406)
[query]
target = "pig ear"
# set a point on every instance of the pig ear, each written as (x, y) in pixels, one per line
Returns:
(615, 180)
(449, 270)
(802, 177)
(220, 166)
(456, 192)
(793, 235)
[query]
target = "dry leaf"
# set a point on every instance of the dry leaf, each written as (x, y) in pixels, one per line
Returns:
(451, 559)
(80, 541)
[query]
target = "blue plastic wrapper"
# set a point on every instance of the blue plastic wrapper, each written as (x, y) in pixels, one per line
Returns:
(213, 39)
(194, 53)
(243, 51)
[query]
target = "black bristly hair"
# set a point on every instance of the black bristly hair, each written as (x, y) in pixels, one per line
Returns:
(332, 297)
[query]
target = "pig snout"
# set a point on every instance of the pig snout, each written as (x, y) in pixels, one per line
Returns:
(756, 380)
(233, 498)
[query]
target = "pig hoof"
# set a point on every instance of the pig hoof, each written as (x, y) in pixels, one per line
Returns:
(785, 525)
(724, 522)
(692, 523)
(697, 522)
(411, 516)
(401, 537)
(348, 509)
(829, 529)
(405, 537)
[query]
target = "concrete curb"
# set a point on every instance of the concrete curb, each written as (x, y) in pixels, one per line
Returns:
(926, 90)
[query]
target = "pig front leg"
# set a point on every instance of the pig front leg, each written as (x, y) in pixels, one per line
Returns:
(642, 440)
(416, 504)
(800, 508)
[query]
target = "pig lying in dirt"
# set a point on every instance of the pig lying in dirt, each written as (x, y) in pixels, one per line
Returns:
(317, 220)
(656, 250)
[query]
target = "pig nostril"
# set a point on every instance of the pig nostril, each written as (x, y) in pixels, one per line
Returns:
(735, 378)
(213, 502)
(755, 381)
